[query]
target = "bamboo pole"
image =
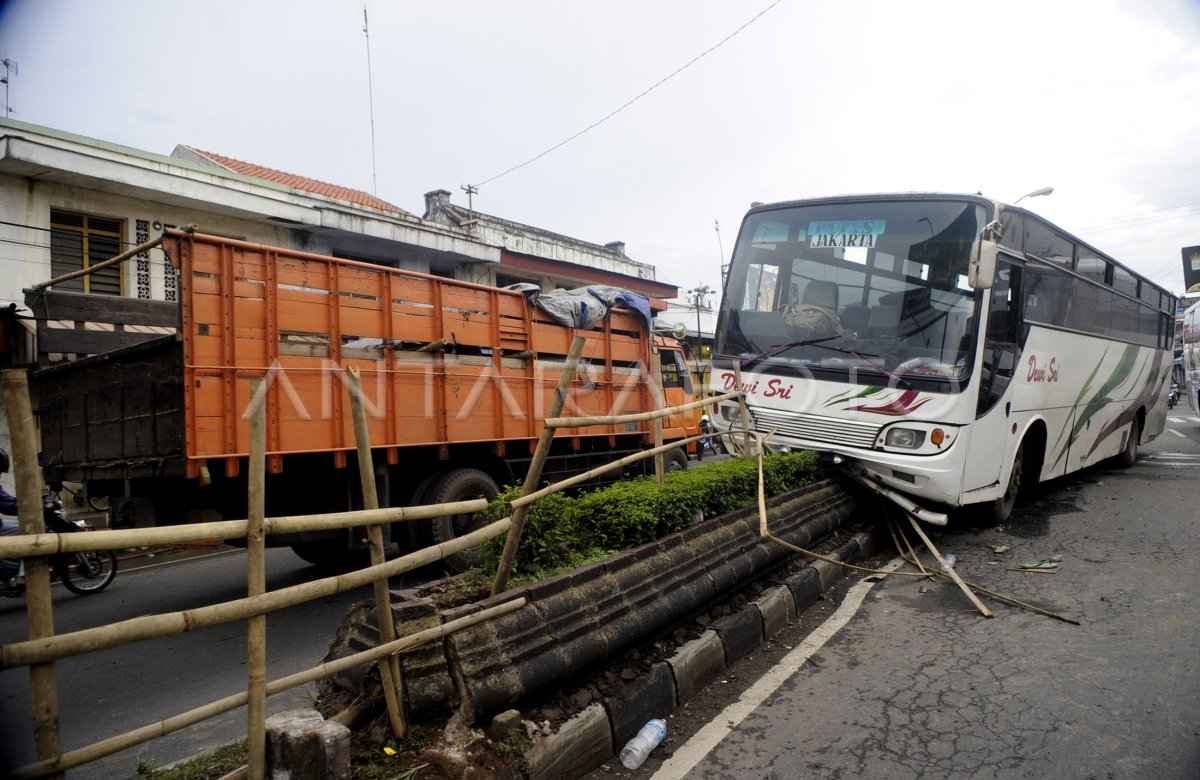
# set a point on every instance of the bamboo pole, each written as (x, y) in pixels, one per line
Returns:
(256, 579)
(49, 544)
(104, 264)
(43, 682)
(743, 412)
(170, 725)
(583, 422)
(504, 568)
(657, 394)
(389, 668)
(948, 569)
(172, 623)
(912, 557)
(570, 482)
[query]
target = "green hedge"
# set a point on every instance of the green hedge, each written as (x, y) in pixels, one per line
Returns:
(561, 530)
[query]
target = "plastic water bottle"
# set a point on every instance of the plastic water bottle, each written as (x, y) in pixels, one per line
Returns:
(650, 737)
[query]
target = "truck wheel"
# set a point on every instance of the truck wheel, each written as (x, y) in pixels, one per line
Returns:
(675, 460)
(457, 485)
(332, 554)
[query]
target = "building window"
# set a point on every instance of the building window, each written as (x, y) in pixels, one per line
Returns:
(80, 241)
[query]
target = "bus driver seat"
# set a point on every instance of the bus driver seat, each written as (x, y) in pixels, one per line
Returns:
(815, 316)
(823, 294)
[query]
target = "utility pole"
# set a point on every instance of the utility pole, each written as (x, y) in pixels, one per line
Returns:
(471, 191)
(10, 70)
(698, 300)
(370, 102)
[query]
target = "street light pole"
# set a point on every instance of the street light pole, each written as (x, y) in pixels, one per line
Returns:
(698, 294)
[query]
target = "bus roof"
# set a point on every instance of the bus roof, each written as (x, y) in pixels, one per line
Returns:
(994, 207)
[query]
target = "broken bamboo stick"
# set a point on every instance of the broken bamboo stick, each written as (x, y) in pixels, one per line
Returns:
(611, 419)
(534, 475)
(948, 569)
(389, 668)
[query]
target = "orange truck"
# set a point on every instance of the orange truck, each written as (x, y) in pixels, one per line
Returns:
(456, 379)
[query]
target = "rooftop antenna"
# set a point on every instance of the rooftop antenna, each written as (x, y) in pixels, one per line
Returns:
(371, 102)
(471, 190)
(10, 69)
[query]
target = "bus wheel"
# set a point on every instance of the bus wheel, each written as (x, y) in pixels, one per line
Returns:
(675, 460)
(1128, 455)
(1001, 509)
(458, 485)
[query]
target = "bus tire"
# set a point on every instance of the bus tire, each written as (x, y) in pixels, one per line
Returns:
(1129, 455)
(458, 485)
(675, 460)
(998, 511)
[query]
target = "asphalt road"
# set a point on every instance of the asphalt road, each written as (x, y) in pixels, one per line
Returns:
(917, 684)
(107, 693)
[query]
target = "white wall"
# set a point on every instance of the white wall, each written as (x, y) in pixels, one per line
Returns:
(25, 255)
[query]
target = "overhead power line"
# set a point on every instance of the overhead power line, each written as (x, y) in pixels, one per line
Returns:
(1123, 221)
(636, 98)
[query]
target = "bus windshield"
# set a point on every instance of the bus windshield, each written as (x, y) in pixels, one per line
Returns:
(856, 292)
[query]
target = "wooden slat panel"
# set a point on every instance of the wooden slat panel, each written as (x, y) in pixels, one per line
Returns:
(78, 307)
(88, 342)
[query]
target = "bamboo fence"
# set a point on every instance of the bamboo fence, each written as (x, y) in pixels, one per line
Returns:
(43, 648)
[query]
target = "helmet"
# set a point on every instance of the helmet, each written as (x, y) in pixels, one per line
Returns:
(3, 462)
(704, 418)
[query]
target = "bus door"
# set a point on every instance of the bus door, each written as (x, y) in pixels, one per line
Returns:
(991, 439)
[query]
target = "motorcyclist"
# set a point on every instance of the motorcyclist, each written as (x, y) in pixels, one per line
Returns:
(15, 584)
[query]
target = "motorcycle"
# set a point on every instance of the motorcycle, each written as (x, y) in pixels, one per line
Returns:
(82, 573)
(1173, 395)
(710, 443)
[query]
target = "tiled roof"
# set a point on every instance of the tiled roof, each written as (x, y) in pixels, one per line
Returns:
(303, 183)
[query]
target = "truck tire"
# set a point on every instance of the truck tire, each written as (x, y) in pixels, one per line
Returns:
(457, 485)
(675, 460)
(332, 555)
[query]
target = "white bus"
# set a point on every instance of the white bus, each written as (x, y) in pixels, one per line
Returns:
(1189, 357)
(948, 347)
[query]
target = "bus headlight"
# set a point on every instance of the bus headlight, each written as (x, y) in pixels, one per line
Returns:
(917, 438)
(904, 438)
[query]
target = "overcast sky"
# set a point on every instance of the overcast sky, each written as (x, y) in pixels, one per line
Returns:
(1098, 98)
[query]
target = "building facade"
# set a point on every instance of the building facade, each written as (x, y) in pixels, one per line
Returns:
(68, 202)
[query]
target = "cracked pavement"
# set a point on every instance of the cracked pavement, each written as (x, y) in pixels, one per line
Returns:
(919, 685)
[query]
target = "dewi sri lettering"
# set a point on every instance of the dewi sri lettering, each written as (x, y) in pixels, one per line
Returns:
(1042, 373)
(775, 388)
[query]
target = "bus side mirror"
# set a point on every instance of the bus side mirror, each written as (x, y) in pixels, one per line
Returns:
(983, 268)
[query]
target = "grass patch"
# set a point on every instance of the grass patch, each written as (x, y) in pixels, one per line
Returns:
(209, 766)
(563, 532)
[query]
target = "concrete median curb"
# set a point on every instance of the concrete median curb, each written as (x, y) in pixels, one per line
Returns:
(572, 750)
(578, 622)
